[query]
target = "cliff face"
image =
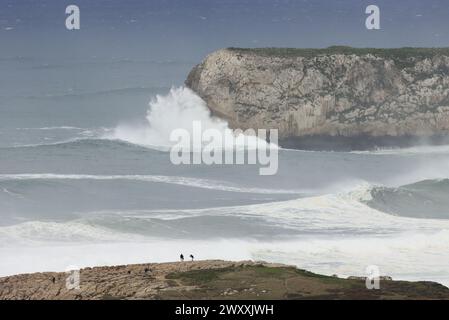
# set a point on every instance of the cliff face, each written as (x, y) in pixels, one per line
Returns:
(338, 93)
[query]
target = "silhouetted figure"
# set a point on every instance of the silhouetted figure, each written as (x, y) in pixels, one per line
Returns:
(146, 270)
(53, 280)
(181, 257)
(191, 257)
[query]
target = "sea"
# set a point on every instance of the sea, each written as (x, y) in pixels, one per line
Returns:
(86, 177)
(86, 180)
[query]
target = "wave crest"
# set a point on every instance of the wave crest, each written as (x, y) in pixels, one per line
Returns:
(423, 199)
(184, 181)
(179, 109)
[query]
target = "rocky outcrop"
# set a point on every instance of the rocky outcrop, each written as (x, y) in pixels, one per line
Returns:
(139, 281)
(339, 95)
(209, 279)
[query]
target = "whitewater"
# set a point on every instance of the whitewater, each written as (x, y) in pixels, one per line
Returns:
(87, 180)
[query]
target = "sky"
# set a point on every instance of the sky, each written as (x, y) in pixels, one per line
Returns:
(189, 29)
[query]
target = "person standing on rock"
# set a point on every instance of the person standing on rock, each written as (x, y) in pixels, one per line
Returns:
(191, 256)
(181, 257)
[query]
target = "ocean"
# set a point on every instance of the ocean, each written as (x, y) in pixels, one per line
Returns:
(86, 180)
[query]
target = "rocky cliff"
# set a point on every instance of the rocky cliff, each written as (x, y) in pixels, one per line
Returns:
(334, 97)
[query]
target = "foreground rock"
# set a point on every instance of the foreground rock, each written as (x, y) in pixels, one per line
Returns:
(208, 280)
(335, 98)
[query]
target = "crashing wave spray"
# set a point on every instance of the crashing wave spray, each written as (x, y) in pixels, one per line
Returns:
(179, 109)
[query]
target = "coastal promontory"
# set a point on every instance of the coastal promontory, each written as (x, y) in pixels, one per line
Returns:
(333, 98)
(209, 279)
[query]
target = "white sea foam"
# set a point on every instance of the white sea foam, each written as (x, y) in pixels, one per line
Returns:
(337, 233)
(25, 259)
(331, 213)
(417, 150)
(406, 256)
(179, 109)
(52, 128)
(38, 232)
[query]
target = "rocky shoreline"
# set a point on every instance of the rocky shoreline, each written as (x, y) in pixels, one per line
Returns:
(209, 279)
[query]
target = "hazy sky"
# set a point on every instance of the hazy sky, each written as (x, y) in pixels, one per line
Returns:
(188, 29)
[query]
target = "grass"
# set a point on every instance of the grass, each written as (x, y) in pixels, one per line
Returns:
(405, 52)
(259, 271)
(264, 282)
(199, 276)
(263, 271)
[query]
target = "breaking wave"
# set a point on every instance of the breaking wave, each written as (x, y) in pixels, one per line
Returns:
(424, 199)
(178, 110)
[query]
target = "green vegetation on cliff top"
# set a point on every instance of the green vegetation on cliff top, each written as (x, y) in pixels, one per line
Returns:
(394, 53)
(263, 282)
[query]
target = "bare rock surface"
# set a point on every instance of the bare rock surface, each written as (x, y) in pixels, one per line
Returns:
(210, 279)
